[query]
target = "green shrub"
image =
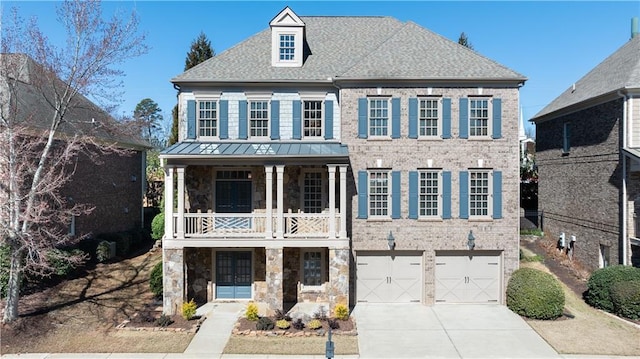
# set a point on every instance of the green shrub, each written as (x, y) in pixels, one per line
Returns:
(189, 309)
(341, 312)
(283, 324)
(155, 280)
(314, 324)
(63, 262)
(252, 312)
(626, 299)
(103, 252)
(298, 324)
(5, 267)
(532, 232)
(264, 323)
(535, 294)
(599, 285)
(164, 321)
(157, 226)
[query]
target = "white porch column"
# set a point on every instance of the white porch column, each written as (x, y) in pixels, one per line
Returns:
(180, 226)
(268, 224)
(343, 201)
(168, 202)
(280, 201)
(332, 201)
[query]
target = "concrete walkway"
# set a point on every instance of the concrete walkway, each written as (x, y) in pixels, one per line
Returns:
(214, 333)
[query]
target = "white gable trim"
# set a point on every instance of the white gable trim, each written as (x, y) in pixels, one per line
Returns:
(286, 17)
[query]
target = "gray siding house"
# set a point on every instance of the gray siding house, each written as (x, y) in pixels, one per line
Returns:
(588, 156)
(317, 167)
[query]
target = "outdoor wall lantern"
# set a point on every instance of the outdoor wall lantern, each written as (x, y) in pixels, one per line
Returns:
(471, 240)
(391, 240)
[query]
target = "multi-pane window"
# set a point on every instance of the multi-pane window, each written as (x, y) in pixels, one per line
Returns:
(379, 193)
(378, 117)
(312, 268)
(259, 119)
(429, 194)
(478, 117)
(428, 117)
(479, 193)
(287, 47)
(312, 189)
(312, 118)
(208, 118)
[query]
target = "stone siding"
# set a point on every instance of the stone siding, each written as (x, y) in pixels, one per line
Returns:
(274, 278)
(172, 280)
(580, 192)
(455, 155)
(199, 262)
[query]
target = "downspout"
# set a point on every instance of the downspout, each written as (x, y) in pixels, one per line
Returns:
(625, 133)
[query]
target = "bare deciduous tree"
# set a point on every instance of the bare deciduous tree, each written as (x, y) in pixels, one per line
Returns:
(39, 145)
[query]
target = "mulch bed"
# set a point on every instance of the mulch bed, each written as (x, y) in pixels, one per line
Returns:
(147, 319)
(246, 327)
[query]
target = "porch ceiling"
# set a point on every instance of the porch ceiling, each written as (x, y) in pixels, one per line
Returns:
(252, 150)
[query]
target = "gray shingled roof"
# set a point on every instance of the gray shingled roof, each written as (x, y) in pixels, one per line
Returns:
(351, 47)
(619, 71)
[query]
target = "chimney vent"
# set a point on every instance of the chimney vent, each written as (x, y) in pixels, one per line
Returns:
(634, 27)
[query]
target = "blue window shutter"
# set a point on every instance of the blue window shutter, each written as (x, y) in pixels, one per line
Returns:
(446, 195)
(297, 119)
(413, 117)
(275, 120)
(395, 117)
(363, 117)
(328, 120)
(464, 194)
(566, 137)
(395, 195)
(413, 194)
(446, 118)
(497, 118)
(191, 119)
(464, 118)
(497, 194)
(224, 120)
(363, 197)
(242, 120)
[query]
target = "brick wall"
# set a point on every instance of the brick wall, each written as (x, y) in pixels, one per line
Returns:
(580, 192)
(455, 155)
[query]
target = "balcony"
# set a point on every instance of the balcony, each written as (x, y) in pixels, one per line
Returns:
(254, 225)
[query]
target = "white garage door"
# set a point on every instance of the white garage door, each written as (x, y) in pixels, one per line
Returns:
(468, 277)
(389, 277)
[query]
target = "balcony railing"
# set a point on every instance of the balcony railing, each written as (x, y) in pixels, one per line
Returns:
(296, 225)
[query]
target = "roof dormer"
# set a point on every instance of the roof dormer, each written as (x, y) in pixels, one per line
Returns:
(287, 39)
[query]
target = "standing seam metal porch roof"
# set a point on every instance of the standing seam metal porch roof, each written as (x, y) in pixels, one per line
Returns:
(254, 149)
(353, 48)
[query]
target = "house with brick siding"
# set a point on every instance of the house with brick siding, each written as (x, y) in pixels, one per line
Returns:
(588, 157)
(314, 167)
(113, 183)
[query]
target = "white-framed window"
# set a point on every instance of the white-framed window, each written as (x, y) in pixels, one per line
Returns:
(259, 118)
(312, 118)
(287, 47)
(379, 193)
(479, 193)
(429, 117)
(479, 123)
(313, 197)
(379, 118)
(604, 256)
(313, 268)
(207, 118)
(430, 194)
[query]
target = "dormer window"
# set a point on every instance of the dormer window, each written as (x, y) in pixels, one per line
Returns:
(287, 47)
(287, 39)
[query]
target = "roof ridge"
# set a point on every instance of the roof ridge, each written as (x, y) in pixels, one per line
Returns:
(370, 53)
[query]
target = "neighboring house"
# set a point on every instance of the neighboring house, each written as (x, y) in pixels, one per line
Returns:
(340, 160)
(588, 156)
(114, 183)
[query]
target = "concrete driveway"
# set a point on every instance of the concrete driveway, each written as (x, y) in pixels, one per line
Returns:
(414, 330)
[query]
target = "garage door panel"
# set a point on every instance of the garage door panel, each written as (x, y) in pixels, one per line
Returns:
(468, 278)
(389, 278)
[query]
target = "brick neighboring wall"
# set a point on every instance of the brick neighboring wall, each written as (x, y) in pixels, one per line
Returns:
(109, 187)
(580, 192)
(453, 155)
